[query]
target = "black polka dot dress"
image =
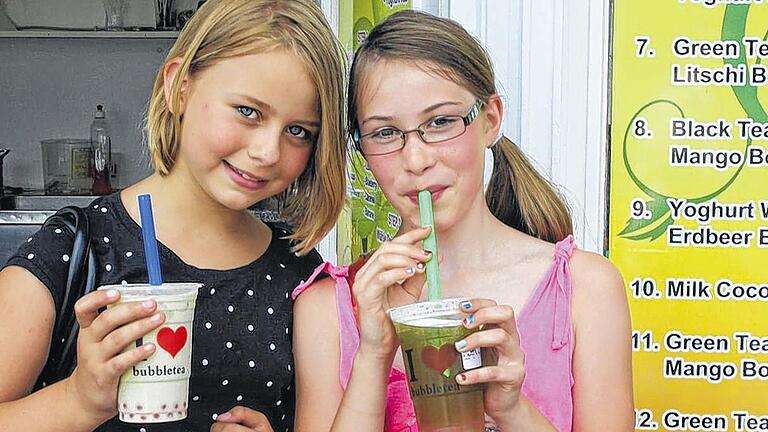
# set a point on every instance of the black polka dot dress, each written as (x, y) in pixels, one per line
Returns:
(241, 340)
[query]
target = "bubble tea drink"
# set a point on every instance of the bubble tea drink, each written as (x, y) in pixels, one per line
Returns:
(427, 333)
(155, 390)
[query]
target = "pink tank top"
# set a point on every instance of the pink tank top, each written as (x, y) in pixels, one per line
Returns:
(546, 337)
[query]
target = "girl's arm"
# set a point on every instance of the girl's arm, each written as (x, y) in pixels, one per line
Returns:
(86, 398)
(602, 359)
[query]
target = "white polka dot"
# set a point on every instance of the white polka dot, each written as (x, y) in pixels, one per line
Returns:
(57, 230)
(249, 292)
(289, 368)
(282, 417)
(108, 267)
(252, 363)
(270, 311)
(228, 344)
(278, 403)
(65, 257)
(129, 254)
(250, 327)
(302, 282)
(106, 239)
(231, 308)
(30, 256)
(239, 398)
(208, 325)
(104, 210)
(286, 330)
(272, 346)
(213, 291)
(269, 277)
(142, 430)
(29, 239)
(195, 398)
(296, 253)
(95, 206)
(123, 282)
(214, 416)
(225, 382)
(269, 383)
(205, 362)
(286, 295)
(282, 265)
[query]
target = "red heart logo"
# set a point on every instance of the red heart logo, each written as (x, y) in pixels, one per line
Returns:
(172, 341)
(439, 360)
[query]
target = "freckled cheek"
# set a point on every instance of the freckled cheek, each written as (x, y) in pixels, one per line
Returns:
(296, 161)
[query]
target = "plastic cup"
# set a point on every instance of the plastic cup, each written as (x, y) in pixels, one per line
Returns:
(156, 390)
(427, 333)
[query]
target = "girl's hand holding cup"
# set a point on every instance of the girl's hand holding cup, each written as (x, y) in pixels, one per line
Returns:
(393, 276)
(503, 378)
(101, 339)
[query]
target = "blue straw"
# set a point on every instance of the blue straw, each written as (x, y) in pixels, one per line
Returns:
(150, 241)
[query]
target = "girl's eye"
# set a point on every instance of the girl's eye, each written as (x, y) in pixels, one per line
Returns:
(439, 122)
(247, 112)
(299, 132)
(384, 133)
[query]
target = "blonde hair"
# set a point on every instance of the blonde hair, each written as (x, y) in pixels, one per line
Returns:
(222, 29)
(517, 194)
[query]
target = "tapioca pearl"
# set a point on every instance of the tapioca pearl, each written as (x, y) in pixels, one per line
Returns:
(204, 362)
(225, 382)
(65, 258)
(108, 267)
(269, 384)
(252, 364)
(129, 254)
(57, 230)
(139, 407)
(250, 327)
(228, 344)
(270, 310)
(230, 308)
(269, 278)
(239, 398)
(156, 415)
(272, 346)
(195, 398)
(282, 265)
(249, 292)
(106, 239)
(208, 325)
(30, 256)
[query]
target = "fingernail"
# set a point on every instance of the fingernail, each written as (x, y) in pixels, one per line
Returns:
(427, 253)
(410, 270)
(460, 345)
(148, 347)
(148, 304)
(156, 318)
(461, 378)
(226, 416)
(466, 305)
(420, 266)
(469, 320)
(112, 293)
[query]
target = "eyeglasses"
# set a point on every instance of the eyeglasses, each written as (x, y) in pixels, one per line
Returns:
(435, 130)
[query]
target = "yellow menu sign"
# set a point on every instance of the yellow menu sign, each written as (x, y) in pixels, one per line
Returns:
(689, 208)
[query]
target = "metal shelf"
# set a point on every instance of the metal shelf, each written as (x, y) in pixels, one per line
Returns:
(96, 34)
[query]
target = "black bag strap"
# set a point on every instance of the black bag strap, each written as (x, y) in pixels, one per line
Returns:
(81, 279)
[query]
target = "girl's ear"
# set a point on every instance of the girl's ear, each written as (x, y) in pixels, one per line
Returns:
(170, 71)
(494, 113)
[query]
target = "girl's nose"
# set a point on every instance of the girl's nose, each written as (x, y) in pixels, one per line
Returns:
(265, 146)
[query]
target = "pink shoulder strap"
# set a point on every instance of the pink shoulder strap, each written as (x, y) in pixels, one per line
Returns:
(561, 281)
(349, 338)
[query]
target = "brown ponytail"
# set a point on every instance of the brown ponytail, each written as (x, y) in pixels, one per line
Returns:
(520, 197)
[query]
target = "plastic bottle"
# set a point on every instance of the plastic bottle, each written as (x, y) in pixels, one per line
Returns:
(101, 145)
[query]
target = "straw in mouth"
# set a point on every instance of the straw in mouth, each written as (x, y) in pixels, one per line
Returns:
(427, 218)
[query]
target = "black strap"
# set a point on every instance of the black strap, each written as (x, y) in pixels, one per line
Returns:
(81, 279)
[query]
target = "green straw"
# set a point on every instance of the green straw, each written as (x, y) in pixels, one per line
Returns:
(434, 291)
